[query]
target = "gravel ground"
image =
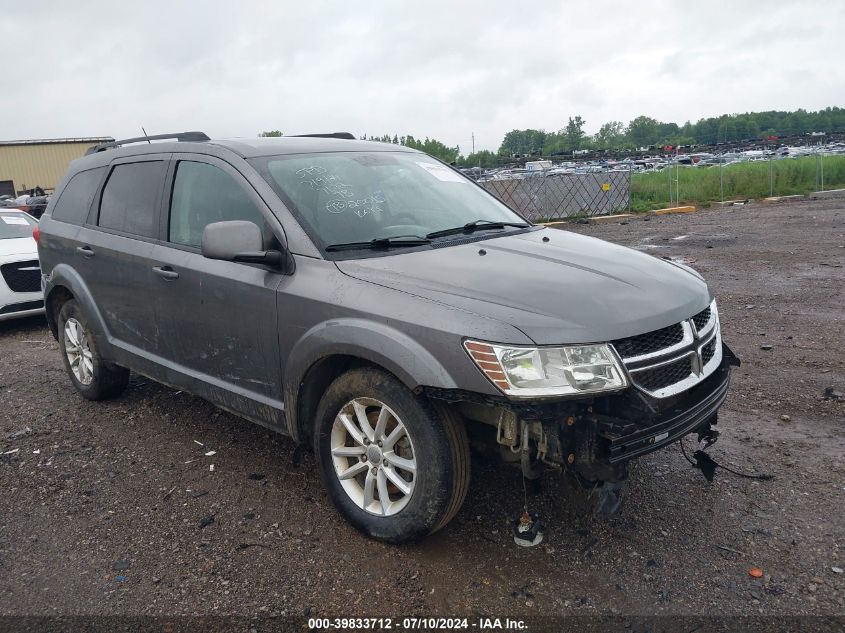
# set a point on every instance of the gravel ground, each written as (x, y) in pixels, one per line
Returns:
(113, 509)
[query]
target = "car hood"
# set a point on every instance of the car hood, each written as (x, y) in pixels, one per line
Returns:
(569, 289)
(19, 246)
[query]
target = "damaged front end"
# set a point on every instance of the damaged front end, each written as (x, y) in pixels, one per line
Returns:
(596, 438)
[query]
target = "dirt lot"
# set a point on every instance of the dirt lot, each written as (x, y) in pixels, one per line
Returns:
(101, 508)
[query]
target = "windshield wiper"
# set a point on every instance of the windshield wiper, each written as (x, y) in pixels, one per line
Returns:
(381, 242)
(477, 225)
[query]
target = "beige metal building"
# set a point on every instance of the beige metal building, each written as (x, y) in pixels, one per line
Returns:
(25, 165)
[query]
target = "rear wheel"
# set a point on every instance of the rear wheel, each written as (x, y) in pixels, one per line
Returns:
(396, 466)
(93, 378)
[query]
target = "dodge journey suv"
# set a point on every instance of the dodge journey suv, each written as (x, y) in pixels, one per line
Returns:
(371, 301)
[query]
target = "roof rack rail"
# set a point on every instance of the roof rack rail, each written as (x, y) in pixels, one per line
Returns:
(344, 135)
(179, 136)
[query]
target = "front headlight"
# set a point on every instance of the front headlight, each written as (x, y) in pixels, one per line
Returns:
(548, 371)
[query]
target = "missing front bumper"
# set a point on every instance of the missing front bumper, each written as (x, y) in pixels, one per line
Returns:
(615, 431)
(665, 430)
(596, 439)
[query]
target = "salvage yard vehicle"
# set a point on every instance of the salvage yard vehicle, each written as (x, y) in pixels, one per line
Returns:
(20, 275)
(34, 202)
(373, 302)
(35, 205)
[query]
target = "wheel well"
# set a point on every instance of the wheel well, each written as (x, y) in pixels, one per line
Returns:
(314, 384)
(55, 300)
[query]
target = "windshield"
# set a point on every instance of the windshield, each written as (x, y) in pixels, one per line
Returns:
(360, 196)
(13, 225)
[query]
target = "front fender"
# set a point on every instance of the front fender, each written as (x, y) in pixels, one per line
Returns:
(375, 342)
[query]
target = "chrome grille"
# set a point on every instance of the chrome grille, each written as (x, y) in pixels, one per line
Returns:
(708, 351)
(670, 360)
(649, 342)
(702, 318)
(662, 376)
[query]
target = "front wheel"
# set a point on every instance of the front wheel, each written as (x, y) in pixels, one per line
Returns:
(396, 466)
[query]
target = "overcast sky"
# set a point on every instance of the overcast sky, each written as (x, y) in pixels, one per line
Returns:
(429, 68)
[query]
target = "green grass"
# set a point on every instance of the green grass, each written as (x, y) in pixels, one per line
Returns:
(700, 185)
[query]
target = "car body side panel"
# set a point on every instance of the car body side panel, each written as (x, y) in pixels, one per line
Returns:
(253, 406)
(218, 322)
(118, 276)
(65, 275)
(56, 242)
(323, 312)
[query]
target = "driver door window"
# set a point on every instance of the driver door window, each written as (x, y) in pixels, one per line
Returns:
(203, 194)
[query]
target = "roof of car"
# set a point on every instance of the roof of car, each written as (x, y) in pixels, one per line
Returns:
(269, 146)
(245, 147)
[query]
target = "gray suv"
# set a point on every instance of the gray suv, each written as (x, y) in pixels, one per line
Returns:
(373, 302)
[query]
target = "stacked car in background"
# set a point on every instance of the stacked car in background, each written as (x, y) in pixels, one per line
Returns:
(33, 202)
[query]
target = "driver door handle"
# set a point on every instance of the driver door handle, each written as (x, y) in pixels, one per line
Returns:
(86, 250)
(166, 273)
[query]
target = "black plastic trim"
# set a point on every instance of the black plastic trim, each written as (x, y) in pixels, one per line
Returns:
(643, 441)
(182, 137)
(22, 307)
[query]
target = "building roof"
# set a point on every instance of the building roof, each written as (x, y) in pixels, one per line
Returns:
(88, 140)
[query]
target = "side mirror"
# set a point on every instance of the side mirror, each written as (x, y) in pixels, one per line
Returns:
(237, 241)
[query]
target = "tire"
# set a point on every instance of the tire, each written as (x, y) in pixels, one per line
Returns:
(93, 377)
(432, 439)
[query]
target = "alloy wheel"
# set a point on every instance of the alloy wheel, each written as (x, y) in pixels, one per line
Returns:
(373, 456)
(78, 351)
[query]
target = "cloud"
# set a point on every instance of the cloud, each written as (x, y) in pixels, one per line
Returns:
(435, 68)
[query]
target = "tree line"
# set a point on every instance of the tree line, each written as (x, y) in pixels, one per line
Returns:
(643, 131)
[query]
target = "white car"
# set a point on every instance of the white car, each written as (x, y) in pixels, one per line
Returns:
(20, 274)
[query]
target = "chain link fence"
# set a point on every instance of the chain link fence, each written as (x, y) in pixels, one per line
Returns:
(546, 196)
(644, 184)
(728, 178)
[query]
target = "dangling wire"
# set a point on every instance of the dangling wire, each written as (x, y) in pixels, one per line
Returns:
(524, 493)
(526, 450)
(684, 452)
(760, 476)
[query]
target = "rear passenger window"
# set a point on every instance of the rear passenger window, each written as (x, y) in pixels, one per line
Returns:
(75, 199)
(130, 198)
(203, 194)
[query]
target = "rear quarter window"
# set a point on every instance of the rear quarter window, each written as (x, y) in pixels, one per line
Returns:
(75, 199)
(130, 198)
